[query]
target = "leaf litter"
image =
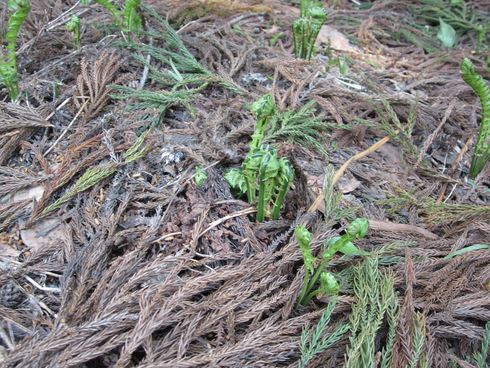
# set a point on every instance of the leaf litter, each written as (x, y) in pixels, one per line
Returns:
(147, 269)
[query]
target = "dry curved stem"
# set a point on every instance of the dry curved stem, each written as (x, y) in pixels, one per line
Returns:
(338, 174)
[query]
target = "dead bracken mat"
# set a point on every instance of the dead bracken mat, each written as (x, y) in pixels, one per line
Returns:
(117, 259)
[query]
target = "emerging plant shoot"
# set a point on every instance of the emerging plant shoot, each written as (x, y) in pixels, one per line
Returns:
(264, 178)
(317, 280)
(8, 63)
(481, 154)
(307, 26)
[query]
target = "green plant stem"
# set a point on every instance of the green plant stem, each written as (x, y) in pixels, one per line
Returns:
(481, 152)
(276, 211)
(311, 282)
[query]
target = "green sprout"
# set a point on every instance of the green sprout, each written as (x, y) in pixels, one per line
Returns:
(200, 176)
(127, 19)
(73, 25)
(264, 177)
(317, 280)
(8, 63)
(481, 154)
(307, 26)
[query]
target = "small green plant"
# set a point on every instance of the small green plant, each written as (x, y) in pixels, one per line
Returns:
(315, 341)
(480, 358)
(8, 63)
(264, 177)
(174, 68)
(73, 25)
(316, 279)
(375, 297)
(481, 154)
(307, 26)
(127, 19)
(455, 18)
(200, 176)
(299, 126)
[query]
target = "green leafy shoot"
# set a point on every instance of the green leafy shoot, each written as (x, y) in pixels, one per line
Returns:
(267, 179)
(19, 10)
(263, 109)
(73, 25)
(315, 341)
(127, 20)
(303, 237)
(237, 181)
(446, 34)
(299, 126)
(200, 176)
(375, 296)
(480, 358)
(319, 281)
(481, 153)
(264, 177)
(307, 26)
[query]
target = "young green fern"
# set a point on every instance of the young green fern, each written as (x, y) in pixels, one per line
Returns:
(481, 154)
(127, 19)
(317, 280)
(307, 27)
(8, 63)
(73, 25)
(263, 178)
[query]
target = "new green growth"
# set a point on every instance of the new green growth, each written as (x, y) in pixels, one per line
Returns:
(126, 19)
(264, 177)
(19, 9)
(316, 279)
(481, 154)
(307, 26)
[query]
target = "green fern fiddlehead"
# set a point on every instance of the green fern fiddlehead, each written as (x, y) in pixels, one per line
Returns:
(481, 154)
(8, 64)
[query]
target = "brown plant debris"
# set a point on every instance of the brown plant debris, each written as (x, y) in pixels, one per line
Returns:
(111, 255)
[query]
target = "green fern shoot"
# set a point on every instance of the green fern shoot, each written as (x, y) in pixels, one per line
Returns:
(8, 63)
(307, 27)
(481, 154)
(73, 25)
(127, 20)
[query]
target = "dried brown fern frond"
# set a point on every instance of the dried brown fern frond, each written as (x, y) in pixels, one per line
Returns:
(93, 81)
(17, 123)
(12, 179)
(13, 117)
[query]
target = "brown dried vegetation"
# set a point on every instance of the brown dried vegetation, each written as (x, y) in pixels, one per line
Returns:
(148, 270)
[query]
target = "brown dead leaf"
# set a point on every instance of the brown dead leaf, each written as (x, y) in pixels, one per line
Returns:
(30, 193)
(347, 185)
(42, 233)
(336, 39)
